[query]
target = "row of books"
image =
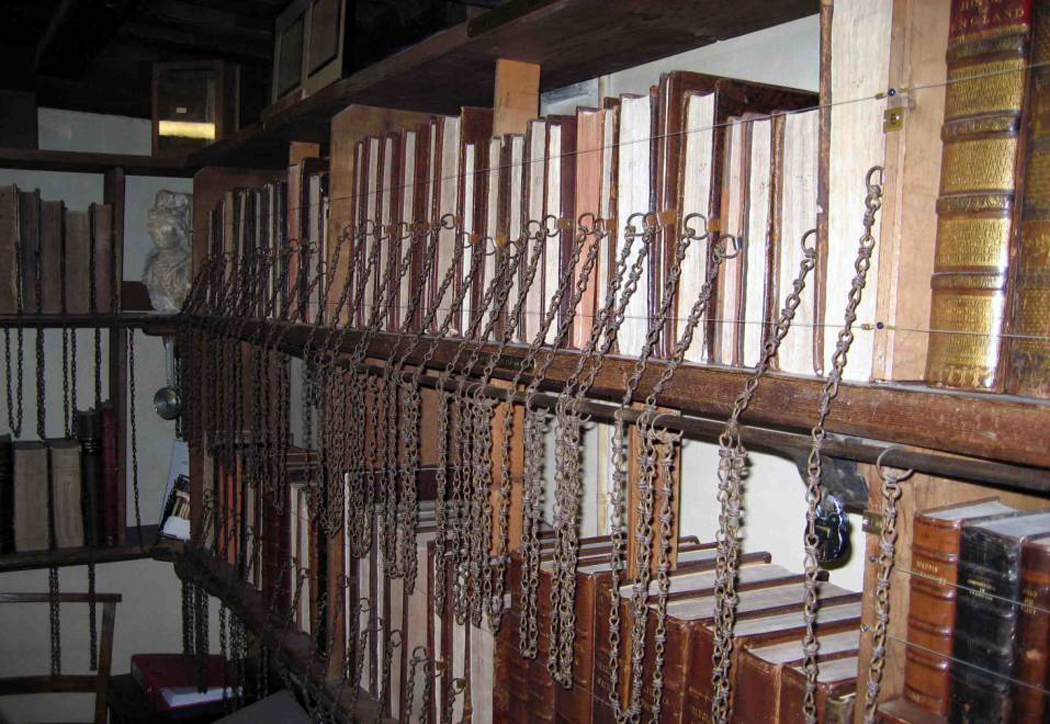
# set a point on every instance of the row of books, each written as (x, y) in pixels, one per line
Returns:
(287, 218)
(80, 477)
(51, 255)
(966, 306)
(978, 616)
(767, 680)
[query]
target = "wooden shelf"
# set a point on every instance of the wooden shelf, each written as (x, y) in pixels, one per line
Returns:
(1012, 429)
(76, 162)
(131, 550)
(151, 322)
(295, 647)
(572, 40)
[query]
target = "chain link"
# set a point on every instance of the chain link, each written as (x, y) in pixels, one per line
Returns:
(814, 490)
(891, 493)
(731, 472)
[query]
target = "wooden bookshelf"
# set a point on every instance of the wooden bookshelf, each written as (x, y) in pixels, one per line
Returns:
(292, 646)
(134, 547)
(79, 162)
(573, 41)
(907, 415)
(148, 322)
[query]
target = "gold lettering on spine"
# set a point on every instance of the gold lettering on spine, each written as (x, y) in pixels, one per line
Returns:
(967, 354)
(978, 165)
(994, 87)
(967, 242)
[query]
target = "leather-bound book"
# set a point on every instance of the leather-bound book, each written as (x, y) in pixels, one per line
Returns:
(978, 193)
(764, 629)
(574, 703)
(931, 608)
(756, 680)
(1028, 351)
(685, 587)
(66, 492)
(8, 247)
(52, 239)
(29, 246)
(103, 269)
(836, 685)
(690, 138)
(109, 500)
(987, 613)
(687, 680)
(89, 433)
(1033, 634)
(7, 493)
(78, 262)
(30, 496)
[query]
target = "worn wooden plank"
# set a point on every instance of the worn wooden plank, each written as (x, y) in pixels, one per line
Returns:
(996, 427)
(130, 550)
(75, 161)
(294, 647)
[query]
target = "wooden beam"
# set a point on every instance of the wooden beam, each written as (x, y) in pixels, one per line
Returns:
(77, 33)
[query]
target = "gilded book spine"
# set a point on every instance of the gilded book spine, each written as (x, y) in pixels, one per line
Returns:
(987, 53)
(1028, 355)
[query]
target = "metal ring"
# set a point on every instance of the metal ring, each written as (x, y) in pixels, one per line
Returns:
(585, 228)
(690, 231)
(447, 222)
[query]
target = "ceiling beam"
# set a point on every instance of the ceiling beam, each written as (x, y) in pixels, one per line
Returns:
(196, 41)
(77, 33)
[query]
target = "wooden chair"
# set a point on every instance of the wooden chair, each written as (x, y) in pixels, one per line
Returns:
(70, 683)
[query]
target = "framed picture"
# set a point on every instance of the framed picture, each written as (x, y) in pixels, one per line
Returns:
(194, 103)
(310, 40)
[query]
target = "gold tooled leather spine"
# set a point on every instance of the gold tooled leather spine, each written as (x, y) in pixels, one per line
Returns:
(1028, 348)
(975, 210)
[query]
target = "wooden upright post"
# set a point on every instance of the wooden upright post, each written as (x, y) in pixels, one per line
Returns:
(516, 101)
(113, 194)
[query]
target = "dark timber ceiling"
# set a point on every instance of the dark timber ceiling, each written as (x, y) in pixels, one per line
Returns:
(97, 55)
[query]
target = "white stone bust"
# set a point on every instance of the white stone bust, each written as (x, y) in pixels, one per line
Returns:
(167, 272)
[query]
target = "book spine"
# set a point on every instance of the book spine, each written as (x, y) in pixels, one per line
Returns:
(1033, 633)
(91, 474)
(985, 626)
(931, 614)
(65, 483)
(1028, 350)
(29, 247)
(108, 499)
(986, 57)
(30, 514)
(103, 259)
(7, 494)
(52, 257)
(8, 248)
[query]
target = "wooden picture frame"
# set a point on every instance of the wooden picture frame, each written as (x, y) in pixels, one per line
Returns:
(310, 43)
(194, 103)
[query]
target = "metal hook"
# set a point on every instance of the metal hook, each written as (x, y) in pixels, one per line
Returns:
(809, 250)
(720, 246)
(629, 228)
(884, 474)
(867, 178)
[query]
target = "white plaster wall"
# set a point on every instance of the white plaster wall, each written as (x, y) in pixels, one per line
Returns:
(149, 618)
